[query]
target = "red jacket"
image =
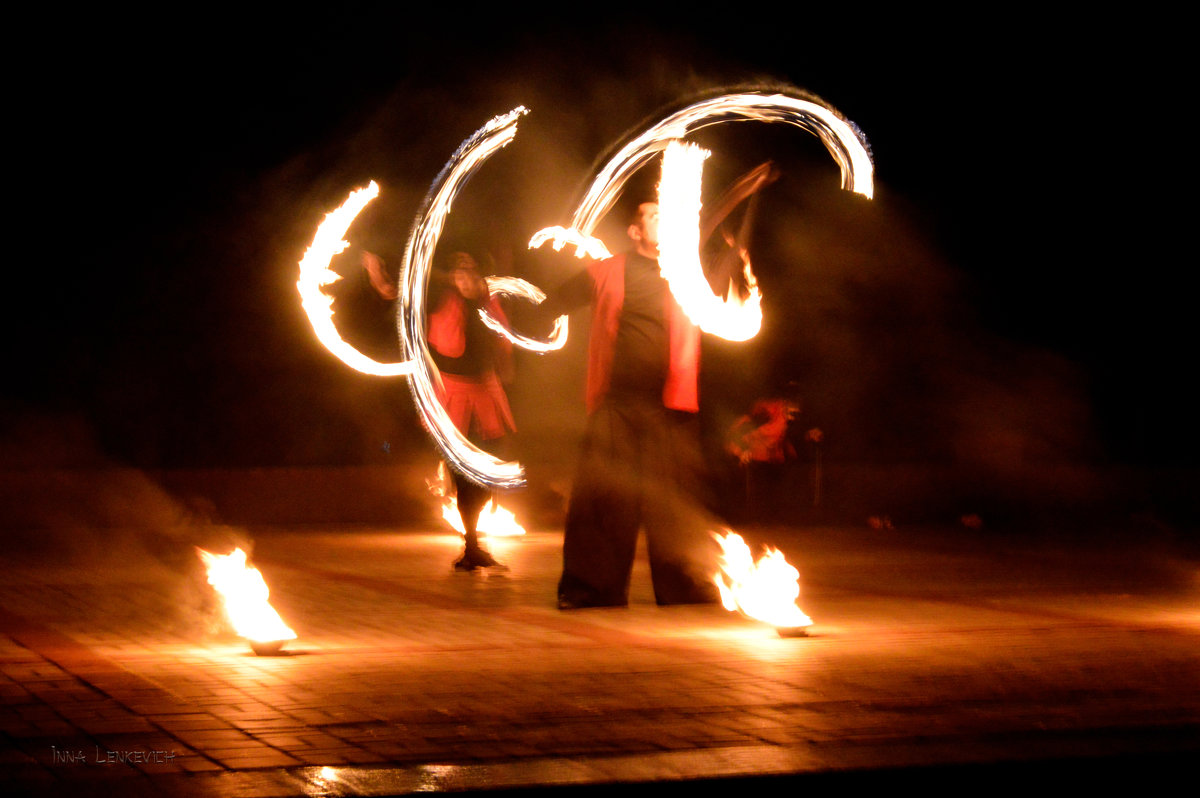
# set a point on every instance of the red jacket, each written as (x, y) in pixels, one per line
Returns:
(448, 331)
(681, 388)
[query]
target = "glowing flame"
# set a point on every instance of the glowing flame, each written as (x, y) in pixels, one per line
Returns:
(244, 594)
(765, 590)
(516, 287)
(679, 251)
(495, 521)
(585, 246)
(315, 274)
(842, 139)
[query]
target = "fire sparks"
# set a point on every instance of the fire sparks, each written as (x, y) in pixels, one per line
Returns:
(315, 274)
(244, 594)
(495, 521)
(765, 590)
(679, 246)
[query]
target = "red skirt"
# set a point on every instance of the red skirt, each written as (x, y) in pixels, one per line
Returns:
(477, 406)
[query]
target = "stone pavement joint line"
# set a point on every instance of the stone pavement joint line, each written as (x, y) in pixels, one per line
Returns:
(409, 678)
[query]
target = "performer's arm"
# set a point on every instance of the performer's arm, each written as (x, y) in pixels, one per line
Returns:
(574, 293)
(381, 279)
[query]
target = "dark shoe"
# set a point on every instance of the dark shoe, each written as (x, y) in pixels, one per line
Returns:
(479, 558)
(484, 559)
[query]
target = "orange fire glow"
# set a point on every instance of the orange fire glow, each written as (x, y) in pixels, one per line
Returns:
(244, 594)
(495, 521)
(765, 590)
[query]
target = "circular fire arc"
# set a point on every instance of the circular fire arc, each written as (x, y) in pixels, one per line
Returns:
(729, 319)
(842, 139)
(315, 274)
(471, 461)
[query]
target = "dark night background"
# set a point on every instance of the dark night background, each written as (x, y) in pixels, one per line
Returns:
(1010, 302)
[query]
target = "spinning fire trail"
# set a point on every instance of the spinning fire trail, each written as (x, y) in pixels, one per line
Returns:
(679, 204)
(741, 579)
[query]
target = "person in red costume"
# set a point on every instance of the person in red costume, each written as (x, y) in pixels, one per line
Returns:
(472, 360)
(641, 464)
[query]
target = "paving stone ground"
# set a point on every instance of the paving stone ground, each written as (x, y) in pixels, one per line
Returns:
(934, 653)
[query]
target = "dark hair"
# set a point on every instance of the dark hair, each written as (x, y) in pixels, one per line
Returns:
(454, 261)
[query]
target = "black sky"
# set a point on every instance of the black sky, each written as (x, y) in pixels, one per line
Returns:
(179, 171)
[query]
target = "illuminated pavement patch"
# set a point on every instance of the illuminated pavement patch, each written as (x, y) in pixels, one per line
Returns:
(927, 652)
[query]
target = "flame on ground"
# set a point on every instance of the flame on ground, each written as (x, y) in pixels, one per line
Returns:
(765, 590)
(244, 594)
(495, 521)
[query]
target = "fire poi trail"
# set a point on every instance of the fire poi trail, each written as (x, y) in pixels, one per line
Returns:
(315, 274)
(679, 202)
(765, 590)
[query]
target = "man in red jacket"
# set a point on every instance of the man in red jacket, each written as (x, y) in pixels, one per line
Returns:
(641, 463)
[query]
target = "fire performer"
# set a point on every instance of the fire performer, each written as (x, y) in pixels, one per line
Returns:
(641, 462)
(472, 362)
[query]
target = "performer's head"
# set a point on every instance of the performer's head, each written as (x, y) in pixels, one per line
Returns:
(464, 274)
(643, 229)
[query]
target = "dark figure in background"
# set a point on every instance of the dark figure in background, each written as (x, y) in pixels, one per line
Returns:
(472, 361)
(641, 462)
(761, 436)
(761, 442)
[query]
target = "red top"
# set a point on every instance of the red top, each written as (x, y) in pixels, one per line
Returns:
(476, 401)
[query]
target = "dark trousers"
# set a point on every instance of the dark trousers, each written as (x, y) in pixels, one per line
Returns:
(471, 500)
(641, 466)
